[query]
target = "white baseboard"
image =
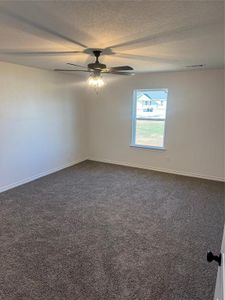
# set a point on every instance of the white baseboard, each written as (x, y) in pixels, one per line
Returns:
(183, 173)
(34, 177)
(135, 165)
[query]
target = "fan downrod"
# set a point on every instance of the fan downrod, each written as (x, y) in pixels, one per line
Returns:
(97, 53)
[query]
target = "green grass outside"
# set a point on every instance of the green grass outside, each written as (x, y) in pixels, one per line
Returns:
(150, 133)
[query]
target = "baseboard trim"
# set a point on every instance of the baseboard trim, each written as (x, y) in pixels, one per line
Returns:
(134, 165)
(170, 171)
(39, 175)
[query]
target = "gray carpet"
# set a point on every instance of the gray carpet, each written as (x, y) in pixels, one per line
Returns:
(98, 231)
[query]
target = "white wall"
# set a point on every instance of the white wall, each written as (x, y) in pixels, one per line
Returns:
(42, 123)
(44, 116)
(194, 129)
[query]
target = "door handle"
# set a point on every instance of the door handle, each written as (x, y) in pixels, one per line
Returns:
(211, 257)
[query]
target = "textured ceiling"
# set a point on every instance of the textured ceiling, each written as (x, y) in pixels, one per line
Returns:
(148, 35)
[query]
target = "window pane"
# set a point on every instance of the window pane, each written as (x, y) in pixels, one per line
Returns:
(150, 133)
(151, 104)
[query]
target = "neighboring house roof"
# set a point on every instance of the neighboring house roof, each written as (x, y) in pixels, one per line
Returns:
(148, 96)
(157, 95)
(145, 96)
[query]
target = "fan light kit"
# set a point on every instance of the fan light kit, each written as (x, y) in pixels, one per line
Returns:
(96, 70)
(96, 81)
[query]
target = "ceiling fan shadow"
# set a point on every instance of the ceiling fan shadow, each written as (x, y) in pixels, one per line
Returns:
(145, 58)
(177, 34)
(38, 53)
(33, 27)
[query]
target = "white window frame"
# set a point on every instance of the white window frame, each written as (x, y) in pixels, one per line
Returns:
(134, 118)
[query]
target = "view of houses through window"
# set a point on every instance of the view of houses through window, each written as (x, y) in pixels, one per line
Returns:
(149, 117)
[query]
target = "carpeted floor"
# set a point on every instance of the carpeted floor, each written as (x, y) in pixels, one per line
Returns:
(99, 232)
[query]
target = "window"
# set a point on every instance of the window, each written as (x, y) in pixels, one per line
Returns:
(149, 117)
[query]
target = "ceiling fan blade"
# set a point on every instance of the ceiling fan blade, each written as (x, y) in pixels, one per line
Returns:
(37, 53)
(121, 68)
(66, 70)
(120, 73)
(76, 65)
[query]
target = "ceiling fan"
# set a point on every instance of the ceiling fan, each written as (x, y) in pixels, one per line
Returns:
(97, 68)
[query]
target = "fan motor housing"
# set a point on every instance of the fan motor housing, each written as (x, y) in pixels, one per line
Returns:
(96, 66)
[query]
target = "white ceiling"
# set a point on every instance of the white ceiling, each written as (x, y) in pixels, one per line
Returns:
(147, 35)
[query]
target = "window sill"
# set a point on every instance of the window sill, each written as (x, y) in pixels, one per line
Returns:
(148, 147)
